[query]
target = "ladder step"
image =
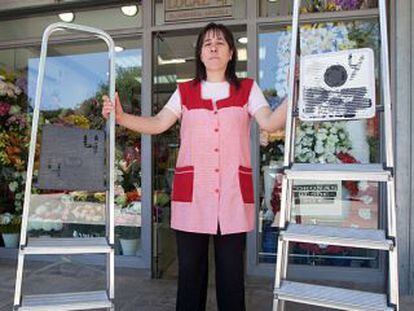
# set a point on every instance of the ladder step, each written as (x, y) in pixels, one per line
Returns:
(66, 301)
(332, 297)
(350, 237)
(311, 171)
(50, 246)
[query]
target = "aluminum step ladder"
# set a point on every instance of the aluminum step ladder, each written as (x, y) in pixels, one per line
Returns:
(70, 246)
(324, 296)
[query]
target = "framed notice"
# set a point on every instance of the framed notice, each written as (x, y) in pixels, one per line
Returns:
(322, 199)
(187, 10)
(337, 86)
(72, 159)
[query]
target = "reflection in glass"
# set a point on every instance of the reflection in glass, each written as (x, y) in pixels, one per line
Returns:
(175, 63)
(348, 204)
(76, 78)
(284, 7)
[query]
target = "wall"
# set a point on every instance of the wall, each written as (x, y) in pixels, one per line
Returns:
(402, 26)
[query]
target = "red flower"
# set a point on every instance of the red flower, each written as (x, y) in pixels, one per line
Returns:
(351, 186)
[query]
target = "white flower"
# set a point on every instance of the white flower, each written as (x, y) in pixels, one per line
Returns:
(319, 148)
(364, 213)
(14, 109)
(5, 218)
(47, 226)
(363, 185)
(321, 135)
(35, 224)
(332, 139)
(367, 199)
(13, 186)
(331, 158)
(57, 226)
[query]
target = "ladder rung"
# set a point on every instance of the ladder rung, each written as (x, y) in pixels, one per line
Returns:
(50, 246)
(350, 237)
(332, 297)
(311, 171)
(66, 301)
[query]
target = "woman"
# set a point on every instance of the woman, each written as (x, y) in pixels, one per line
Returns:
(212, 189)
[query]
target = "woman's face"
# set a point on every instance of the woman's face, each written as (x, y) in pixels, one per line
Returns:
(215, 52)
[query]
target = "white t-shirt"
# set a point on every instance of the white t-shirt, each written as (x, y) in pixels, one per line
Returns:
(216, 91)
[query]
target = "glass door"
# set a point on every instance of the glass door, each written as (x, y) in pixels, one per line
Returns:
(174, 62)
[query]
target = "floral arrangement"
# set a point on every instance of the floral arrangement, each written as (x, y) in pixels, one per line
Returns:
(271, 147)
(78, 206)
(10, 223)
(320, 143)
(322, 38)
(14, 139)
(312, 6)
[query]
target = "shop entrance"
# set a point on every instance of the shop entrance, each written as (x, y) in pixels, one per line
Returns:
(174, 62)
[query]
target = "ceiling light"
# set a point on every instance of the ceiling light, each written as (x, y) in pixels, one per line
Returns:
(67, 17)
(242, 40)
(119, 49)
(272, 0)
(129, 10)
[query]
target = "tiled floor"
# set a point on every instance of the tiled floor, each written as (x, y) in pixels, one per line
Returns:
(135, 290)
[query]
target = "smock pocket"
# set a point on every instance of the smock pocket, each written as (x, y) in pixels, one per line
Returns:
(183, 184)
(246, 184)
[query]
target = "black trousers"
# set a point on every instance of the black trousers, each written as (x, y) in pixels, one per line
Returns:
(192, 251)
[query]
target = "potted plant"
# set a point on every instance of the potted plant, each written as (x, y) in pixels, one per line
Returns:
(9, 228)
(129, 239)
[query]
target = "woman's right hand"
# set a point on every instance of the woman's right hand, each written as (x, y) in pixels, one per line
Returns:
(108, 107)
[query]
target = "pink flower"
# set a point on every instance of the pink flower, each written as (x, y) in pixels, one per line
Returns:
(4, 108)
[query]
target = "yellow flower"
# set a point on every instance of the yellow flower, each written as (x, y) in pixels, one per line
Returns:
(77, 120)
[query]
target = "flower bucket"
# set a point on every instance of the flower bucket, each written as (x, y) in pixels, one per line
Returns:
(11, 240)
(129, 246)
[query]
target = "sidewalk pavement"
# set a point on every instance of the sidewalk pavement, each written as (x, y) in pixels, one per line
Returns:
(135, 290)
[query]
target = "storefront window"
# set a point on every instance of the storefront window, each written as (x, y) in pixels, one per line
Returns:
(31, 27)
(179, 11)
(271, 8)
(352, 204)
(76, 77)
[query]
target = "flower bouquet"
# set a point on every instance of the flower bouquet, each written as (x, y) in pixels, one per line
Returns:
(9, 229)
(14, 139)
(10, 223)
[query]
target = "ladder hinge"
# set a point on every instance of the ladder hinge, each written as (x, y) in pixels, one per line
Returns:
(386, 168)
(285, 227)
(391, 305)
(394, 241)
(287, 167)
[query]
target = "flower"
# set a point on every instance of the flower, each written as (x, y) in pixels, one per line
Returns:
(348, 4)
(10, 223)
(4, 108)
(319, 143)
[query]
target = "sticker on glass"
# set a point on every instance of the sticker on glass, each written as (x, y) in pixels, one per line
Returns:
(337, 86)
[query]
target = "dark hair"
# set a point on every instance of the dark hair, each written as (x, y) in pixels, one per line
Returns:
(230, 73)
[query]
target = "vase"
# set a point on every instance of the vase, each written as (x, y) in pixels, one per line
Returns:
(11, 240)
(129, 246)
